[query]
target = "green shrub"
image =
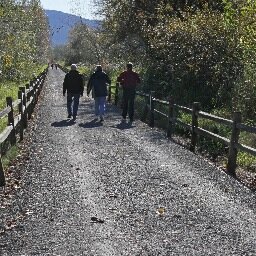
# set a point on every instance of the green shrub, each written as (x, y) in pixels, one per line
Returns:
(246, 161)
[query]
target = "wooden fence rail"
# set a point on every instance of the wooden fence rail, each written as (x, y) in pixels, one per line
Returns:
(235, 124)
(17, 121)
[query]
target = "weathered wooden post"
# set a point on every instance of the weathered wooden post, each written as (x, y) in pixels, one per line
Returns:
(30, 107)
(170, 124)
(152, 109)
(195, 111)
(2, 178)
(116, 93)
(33, 94)
(109, 93)
(232, 154)
(21, 111)
(41, 83)
(146, 108)
(36, 90)
(24, 101)
(27, 86)
(11, 121)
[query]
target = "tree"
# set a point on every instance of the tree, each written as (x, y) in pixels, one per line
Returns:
(83, 46)
(24, 38)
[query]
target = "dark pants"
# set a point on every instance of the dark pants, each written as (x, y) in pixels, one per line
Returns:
(72, 103)
(128, 103)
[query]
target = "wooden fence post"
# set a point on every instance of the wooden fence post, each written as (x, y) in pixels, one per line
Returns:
(21, 111)
(11, 120)
(36, 90)
(24, 101)
(43, 77)
(145, 110)
(109, 93)
(232, 154)
(195, 110)
(152, 108)
(170, 124)
(27, 86)
(116, 93)
(41, 83)
(33, 94)
(2, 178)
(29, 109)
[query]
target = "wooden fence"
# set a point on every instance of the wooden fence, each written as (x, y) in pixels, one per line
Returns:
(235, 124)
(17, 113)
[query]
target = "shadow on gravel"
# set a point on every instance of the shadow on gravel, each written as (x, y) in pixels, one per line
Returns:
(123, 126)
(92, 124)
(63, 123)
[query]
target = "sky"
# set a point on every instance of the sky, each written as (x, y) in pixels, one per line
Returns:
(82, 8)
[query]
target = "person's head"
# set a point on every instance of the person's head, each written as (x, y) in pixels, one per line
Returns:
(129, 66)
(73, 67)
(98, 68)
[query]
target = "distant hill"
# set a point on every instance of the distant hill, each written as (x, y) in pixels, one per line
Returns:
(61, 23)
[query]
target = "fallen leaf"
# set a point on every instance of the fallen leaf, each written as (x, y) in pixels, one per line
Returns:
(161, 211)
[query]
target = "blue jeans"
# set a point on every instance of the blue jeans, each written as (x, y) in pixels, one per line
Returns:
(72, 103)
(100, 105)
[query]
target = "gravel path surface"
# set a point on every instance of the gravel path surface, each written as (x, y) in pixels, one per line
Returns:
(97, 190)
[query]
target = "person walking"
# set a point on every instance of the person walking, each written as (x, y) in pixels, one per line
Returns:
(74, 86)
(98, 83)
(128, 80)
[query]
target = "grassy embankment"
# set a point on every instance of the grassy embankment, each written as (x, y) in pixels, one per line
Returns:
(10, 89)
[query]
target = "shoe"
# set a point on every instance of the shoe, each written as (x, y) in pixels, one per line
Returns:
(69, 116)
(74, 118)
(123, 120)
(101, 119)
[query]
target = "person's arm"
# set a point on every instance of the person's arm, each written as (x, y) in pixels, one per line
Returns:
(65, 85)
(120, 79)
(82, 85)
(89, 86)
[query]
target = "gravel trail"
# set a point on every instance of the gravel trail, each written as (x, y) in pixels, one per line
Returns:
(95, 190)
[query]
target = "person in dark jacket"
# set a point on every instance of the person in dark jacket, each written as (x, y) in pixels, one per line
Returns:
(74, 86)
(128, 80)
(98, 83)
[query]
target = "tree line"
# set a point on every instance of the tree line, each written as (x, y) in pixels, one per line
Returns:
(24, 39)
(195, 50)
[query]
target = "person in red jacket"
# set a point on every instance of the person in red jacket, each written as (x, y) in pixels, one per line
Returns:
(129, 80)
